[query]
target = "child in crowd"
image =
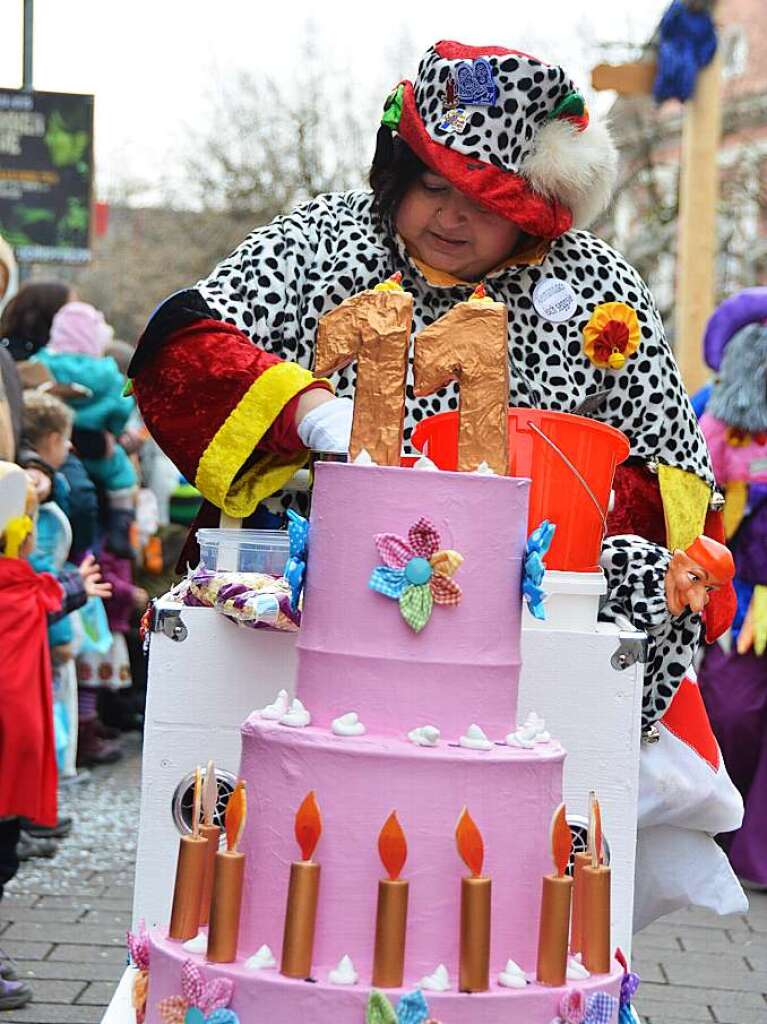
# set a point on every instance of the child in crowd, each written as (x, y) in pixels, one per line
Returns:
(75, 355)
(47, 427)
(29, 601)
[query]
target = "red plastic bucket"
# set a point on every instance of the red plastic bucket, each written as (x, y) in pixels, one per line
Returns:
(571, 462)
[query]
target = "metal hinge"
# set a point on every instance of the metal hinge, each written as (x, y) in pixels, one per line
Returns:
(632, 647)
(169, 622)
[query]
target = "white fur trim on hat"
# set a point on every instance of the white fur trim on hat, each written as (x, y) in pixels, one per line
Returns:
(577, 168)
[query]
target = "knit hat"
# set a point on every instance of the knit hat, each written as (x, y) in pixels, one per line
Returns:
(16, 507)
(79, 328)
(510, 132)
(735, 344)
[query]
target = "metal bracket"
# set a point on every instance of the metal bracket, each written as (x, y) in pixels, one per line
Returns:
(632, 647)
(169, 622)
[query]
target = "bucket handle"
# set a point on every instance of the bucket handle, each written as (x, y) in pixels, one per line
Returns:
(537, 430)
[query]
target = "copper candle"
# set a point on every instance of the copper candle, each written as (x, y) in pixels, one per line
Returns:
(469, 344)
(226, 901)
(576, 928)
(476, 895)
(554, 927)
(391, 911)
(596, 899)
(303, 891)
(190, 871)
(372, 328)
(212, 834)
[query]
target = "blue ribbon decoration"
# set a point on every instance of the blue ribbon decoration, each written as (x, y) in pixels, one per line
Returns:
(688, 43)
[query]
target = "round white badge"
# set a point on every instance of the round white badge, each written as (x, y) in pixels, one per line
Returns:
(554, 299)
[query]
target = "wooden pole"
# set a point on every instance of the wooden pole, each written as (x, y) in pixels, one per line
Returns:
(698, 206)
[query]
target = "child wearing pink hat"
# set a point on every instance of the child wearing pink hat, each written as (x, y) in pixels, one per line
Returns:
(75, 355)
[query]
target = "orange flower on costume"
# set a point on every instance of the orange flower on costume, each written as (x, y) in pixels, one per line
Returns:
(611, 335)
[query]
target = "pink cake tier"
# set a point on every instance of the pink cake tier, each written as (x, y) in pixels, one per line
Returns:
(356, 653)
(266, 996)
(510, 792)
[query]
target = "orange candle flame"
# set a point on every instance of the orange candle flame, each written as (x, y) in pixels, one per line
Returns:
(308, 826)
(561, 840)
(595, 830)
(479, 292)
(468, 839)
(236, 811)
(392, 846)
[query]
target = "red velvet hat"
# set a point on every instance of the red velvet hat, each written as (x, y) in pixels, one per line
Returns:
(510, 132)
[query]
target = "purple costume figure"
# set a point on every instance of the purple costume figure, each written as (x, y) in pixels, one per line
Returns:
(733, 676)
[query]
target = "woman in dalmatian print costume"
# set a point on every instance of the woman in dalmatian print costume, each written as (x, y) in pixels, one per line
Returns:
(488, 168)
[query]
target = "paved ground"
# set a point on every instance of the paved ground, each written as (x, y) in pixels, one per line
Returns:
(65, 921)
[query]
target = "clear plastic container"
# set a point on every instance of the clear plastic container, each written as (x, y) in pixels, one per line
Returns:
(264, 551)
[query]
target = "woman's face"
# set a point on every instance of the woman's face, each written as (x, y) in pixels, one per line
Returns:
(449, 232)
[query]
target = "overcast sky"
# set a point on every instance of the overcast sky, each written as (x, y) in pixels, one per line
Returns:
(153, 64)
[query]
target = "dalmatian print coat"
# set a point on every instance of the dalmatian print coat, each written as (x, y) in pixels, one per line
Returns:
(285, 276)
(636, 573)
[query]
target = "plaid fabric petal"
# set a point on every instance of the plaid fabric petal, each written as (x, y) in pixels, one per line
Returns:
(379, 1010)
(138, 947)
(191, 983)
(572, 1006)
(424, 538)
(222, 1016)
(173, 1009)
(216, 994)
(412, 1008)
(138, 995)
(446, 562)
(629, 985)
(389, 582)
(395, 552)
(445, 591)
(415, 605)
(600, 1008)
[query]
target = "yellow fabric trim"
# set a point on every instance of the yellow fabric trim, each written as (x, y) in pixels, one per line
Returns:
(532, 256)
(685, 504)
(235, 440)
(736, 499)
(16, 532)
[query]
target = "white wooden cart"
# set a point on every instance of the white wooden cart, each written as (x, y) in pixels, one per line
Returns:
(206, 675)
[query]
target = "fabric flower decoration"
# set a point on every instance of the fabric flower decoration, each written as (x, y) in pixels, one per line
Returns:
(138, 948)
(611, 335)
(538, 544)
(412, 1008)
(416, 572)
(295, 567)
(200, 1002)
(576, 1008)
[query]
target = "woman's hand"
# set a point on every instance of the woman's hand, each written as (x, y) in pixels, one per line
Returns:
(95, 585)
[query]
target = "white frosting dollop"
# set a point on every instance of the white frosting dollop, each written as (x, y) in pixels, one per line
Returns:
(424, 736)
(439, 981)
(576, 971)
(484, 470)
(274, 712)
(512, 976)
(475, 739)
(298, 717)
(522, 737)
(363, 459)
(348, 725)
(199, 944)
(538, 725)
(425, 463)
(344, 974)
(261, 960)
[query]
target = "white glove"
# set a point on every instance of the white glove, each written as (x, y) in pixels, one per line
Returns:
(328, 427)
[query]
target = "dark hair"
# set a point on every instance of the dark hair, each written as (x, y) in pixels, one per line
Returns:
(26, 320)
(395, 167)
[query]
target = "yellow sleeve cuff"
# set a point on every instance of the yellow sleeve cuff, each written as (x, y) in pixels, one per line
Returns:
(240, 434)
(685, 504)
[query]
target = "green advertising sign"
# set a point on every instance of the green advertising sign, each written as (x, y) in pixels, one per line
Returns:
(46, 175)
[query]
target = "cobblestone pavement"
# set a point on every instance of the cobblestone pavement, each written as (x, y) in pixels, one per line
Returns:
(64, 921)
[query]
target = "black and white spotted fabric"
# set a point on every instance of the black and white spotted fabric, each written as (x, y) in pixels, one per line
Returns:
(285, 276)
(636, 570)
